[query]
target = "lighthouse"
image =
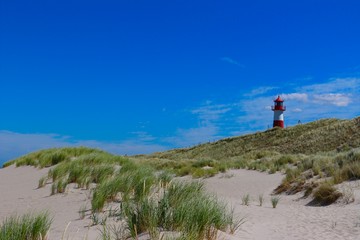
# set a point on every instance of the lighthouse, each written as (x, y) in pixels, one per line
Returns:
(278, 109)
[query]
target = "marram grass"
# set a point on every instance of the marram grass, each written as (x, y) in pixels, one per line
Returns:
(182, 207)
(26, 227)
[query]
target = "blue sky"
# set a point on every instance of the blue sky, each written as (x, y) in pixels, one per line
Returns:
(142, 76)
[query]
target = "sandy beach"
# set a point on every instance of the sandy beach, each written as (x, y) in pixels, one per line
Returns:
(291, 219)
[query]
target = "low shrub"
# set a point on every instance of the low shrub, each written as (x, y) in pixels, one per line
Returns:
(351, 171)
(326, 194)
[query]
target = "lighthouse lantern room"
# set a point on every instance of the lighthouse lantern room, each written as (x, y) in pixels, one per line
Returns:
(278, 109)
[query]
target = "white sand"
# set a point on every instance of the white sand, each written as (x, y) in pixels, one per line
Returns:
(292, 219)
(19, 195)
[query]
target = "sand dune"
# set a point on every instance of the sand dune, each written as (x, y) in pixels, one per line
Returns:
(19, 194)
(292, 219)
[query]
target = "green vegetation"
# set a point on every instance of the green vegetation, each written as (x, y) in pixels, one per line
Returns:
(28, 226)
(114, 232)
(307, 173)
(82, 212)
(269, 151)
(245, 200)
(274, 201)
(131, 181)
(319, 136)
(151, 202)
(82, 166)
(180, 207)
(261, 199)
(326, 194)
(52, 156)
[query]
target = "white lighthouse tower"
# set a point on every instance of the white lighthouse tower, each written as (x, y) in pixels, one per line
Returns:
(278, 109)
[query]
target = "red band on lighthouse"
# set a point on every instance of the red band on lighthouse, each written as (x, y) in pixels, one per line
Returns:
(278, 109)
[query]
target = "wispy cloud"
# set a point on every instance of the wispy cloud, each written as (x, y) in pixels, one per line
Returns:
(334, 85)
(209, 117)
(231, 61)
(143, 136)
(337, 99)
(295, 96)
(260, 91)
(296, 110)
(210, 112)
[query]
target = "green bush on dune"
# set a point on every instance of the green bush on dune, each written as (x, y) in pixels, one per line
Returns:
(326, 194)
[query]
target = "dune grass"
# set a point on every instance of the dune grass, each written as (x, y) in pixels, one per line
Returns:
(336, 167)
(52, 156)
(270, 151)
(274, 201)
(134, 181)
(150, 201)
(28, 226)
(245, 200)
(261, 199)
(182, 207)
(326, 194)
(319, 136)
(81, 166)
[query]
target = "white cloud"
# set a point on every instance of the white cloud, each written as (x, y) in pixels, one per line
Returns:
(337, 99)
(335, 85)
(295, 96)
(231, 61)
(210, 113)
(297, 110)
(143, 136)
(260, 91)
(210, 116)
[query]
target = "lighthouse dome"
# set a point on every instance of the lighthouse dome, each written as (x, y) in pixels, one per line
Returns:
(278, 99)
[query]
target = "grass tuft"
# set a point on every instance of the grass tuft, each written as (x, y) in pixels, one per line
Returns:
(245, 200)
(261, 199)
(28, 226)
(326, 194)
(274, 201)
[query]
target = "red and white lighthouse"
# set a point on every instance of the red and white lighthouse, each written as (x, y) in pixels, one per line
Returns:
(278, 109)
